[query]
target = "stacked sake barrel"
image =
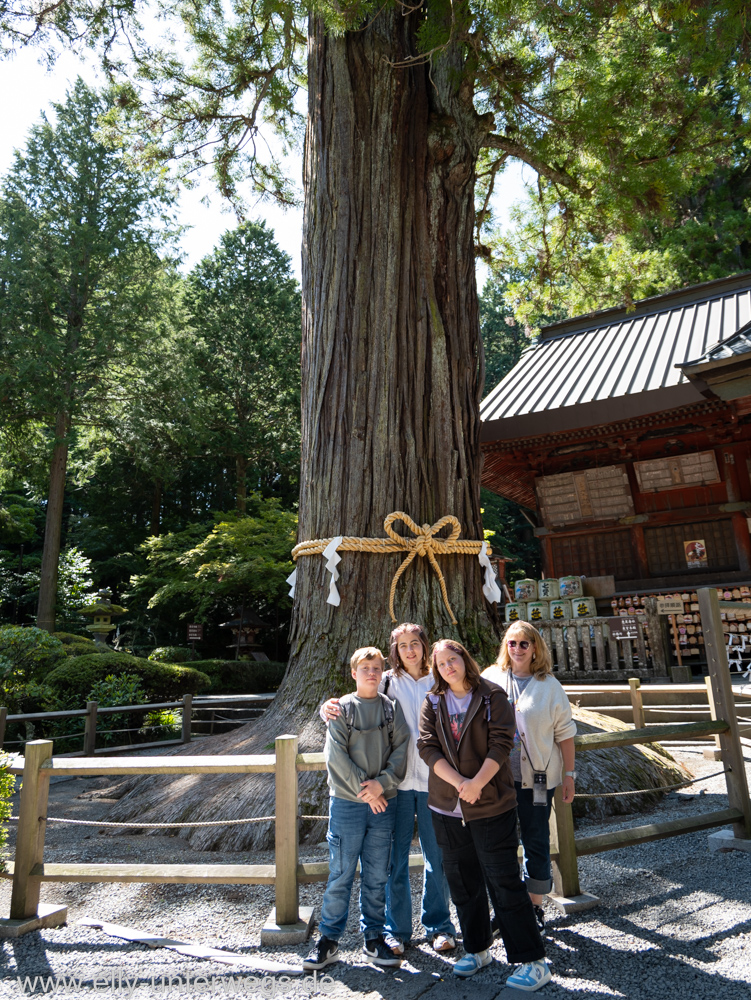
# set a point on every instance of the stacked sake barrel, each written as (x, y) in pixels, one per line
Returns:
(559, 599)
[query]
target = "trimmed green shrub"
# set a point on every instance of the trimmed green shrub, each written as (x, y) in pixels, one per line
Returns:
(171, 654)
(241, 676)
(32, 651)
(7, 786)
(71, 639)
(77, 675)
(120, 689)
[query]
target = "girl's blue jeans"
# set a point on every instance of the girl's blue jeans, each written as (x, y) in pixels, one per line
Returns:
(357, 833)
(534, 826)
(435, 891)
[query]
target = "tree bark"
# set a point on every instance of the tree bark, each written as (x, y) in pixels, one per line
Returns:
(241, 487)
(53, 526)
(155, 525)
(392, 373)
(392, 357)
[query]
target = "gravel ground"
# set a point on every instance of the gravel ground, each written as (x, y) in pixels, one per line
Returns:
(684, 911)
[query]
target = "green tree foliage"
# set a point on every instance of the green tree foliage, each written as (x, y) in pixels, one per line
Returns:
(243, 307)
(80, 230)
(205, 573)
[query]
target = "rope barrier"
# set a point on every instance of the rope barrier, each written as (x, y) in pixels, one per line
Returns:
(646, 791)
(424, 544)
(163, 826)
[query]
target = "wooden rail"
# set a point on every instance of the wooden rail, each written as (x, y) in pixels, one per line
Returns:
(91, 715)
(29, 870)
(724, 726)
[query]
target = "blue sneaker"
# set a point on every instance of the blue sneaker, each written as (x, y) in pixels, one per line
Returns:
(530, 976)
(472, 963)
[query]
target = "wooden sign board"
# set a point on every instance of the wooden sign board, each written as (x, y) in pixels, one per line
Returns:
(623, 628)
(695, 469)
(195, 633)
(601, 494)
(669, 606)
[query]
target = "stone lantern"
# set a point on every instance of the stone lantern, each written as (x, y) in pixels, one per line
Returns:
(102, 611)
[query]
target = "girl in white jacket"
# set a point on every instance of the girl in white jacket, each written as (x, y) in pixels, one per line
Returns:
(544, 742)
(408, 681)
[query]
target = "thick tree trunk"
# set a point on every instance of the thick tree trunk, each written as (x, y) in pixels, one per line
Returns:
(241, 487)
(392, 375)
(392, 362)
(155, 523)
(53, 526)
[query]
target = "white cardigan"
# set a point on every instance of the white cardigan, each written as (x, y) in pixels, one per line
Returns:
(543, 719)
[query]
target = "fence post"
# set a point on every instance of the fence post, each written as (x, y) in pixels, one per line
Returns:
(637, 704)
(187, 712)
(722, 689)
(32, 823)
(287, 898)
(565, 868)
(716, 753)
(89, 732)
(3, 718)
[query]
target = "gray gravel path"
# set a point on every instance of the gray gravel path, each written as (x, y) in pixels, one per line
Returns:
(674, 919)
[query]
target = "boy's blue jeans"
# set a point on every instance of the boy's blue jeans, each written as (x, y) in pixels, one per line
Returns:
(435, 914)
(357, 833)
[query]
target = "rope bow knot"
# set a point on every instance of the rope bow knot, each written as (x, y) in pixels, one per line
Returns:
(424, 543)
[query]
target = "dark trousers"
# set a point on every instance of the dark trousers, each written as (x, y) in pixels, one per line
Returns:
(484, 852)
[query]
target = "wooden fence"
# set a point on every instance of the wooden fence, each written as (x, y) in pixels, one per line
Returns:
(190, 726)
(29, 870)
(738, 813)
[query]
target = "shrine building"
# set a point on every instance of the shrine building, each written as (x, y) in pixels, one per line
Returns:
(627, 436)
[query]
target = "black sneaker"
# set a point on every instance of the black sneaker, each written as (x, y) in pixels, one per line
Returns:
(324, 953)
(379, 954)
(540, 918)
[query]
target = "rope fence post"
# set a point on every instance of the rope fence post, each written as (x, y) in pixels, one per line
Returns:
(287, 899)
(722, 689)
(89, 732)
(565, 868)
(716, 752)
(637, 705)
(187, 712)
(32, 822)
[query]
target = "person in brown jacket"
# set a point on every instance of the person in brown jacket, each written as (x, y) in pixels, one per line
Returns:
(466, 734)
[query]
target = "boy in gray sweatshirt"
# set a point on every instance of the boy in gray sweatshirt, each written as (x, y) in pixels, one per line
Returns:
(366, 758)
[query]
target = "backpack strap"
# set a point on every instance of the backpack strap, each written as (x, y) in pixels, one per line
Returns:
(348, 710)
(486, 699)
(386, 683)
(388, 715)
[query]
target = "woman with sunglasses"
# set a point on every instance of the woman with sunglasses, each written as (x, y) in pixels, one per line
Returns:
(543, 746)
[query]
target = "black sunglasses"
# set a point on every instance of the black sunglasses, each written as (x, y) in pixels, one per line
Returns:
(522, 644)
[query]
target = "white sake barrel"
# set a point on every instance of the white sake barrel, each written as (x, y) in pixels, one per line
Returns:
(570, 586)
(560, 609)
(583, 607)
(516, 611)
(525, 590)
(548, 590)
(537, 611)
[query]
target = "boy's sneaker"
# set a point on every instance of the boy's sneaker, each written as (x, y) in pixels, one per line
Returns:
(324, 952)
(472, 963)
(378, 952)
(444, 942)
(530, 977)
(540, 918)
(393, 943)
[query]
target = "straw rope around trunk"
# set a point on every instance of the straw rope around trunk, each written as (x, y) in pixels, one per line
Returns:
(424, 544)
